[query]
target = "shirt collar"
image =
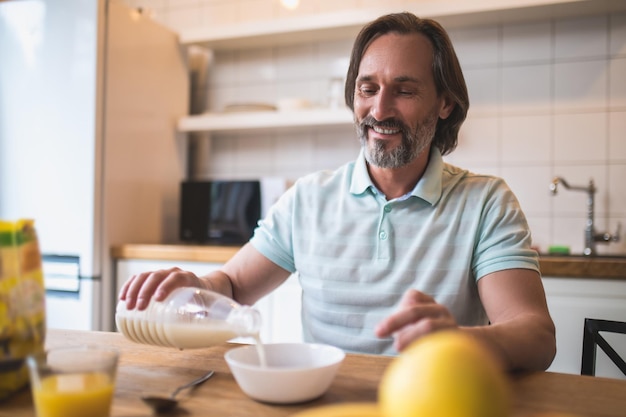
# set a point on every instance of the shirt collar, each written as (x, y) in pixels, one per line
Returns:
(428, 188)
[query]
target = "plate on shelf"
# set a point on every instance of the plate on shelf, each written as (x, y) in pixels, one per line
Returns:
(289, 103)
(246, 107)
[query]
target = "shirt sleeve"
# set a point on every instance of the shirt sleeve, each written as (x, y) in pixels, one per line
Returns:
(504, 238)
(273, 235)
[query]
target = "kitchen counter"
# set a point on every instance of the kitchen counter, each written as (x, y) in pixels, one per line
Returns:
(144, 368)
(604, 267)
(551, 266)
(182, 252)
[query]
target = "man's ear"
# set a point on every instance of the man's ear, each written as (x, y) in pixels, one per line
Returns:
(447, 105)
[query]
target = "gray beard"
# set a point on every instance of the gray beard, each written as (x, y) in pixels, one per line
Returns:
(414, 142)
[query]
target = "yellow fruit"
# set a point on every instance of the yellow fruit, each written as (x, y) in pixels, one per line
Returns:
(444, 374)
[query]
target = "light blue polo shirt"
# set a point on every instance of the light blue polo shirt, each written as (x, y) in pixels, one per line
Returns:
(356, 253)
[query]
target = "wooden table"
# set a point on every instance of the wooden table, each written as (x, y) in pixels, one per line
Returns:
(145, 368)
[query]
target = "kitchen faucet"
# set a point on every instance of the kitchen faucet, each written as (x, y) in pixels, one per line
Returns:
(591, 237)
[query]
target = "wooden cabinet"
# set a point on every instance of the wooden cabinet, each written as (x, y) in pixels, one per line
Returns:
(571, 300)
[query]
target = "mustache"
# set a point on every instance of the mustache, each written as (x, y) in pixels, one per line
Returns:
(370, 121)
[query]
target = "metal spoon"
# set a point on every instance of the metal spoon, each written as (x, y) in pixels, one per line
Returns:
(162, 404)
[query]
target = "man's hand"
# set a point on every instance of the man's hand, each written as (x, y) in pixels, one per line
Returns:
(418, 314)
(140, 288)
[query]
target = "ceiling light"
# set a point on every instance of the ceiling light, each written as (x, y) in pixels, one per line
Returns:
(290, 4)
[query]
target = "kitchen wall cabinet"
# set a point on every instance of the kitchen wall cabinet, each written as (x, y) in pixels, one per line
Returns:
(345, 25)
(570, 301)
(280, 310)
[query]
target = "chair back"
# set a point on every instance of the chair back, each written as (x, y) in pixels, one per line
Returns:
(592, 338)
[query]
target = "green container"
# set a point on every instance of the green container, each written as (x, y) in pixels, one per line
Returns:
(22, 303)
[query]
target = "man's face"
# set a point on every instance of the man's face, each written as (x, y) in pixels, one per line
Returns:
(396, 106)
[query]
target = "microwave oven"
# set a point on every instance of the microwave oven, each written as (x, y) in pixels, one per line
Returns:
(219, 212)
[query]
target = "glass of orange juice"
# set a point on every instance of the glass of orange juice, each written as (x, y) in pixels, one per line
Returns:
(73, 381)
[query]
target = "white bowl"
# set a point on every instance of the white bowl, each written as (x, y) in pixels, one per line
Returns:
(295, 372)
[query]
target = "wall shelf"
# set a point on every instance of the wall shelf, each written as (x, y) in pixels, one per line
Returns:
(244, 121)
(346, 24)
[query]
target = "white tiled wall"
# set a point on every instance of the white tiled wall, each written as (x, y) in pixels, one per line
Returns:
(547, 98)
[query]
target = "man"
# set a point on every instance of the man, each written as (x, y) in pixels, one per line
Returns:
(397, 244)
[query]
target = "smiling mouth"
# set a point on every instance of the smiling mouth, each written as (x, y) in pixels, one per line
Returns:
(385, 130)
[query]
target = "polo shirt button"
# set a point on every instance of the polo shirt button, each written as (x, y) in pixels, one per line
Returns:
(387, 209)
(382, 235)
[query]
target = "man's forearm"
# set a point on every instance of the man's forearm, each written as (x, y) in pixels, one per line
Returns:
(526, 342)
(218, 281)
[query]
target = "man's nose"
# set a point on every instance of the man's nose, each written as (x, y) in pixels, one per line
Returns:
(383, 106)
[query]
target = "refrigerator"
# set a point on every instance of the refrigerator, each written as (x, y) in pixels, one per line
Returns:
(90, 93)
